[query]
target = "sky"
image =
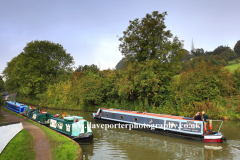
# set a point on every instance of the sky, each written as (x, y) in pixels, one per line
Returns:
(89, 29)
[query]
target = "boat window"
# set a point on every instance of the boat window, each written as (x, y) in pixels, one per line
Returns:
(150, 121)
(136, 119)
(106, 114)
(121, 116)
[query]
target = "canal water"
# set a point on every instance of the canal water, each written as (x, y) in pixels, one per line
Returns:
(118, 143)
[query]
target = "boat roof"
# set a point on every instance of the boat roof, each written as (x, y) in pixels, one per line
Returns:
(151, 114)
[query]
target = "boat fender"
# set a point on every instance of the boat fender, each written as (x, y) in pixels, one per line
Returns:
(205, 127)
(210, 125)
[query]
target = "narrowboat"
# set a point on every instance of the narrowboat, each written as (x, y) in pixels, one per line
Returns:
(38, 116)
(176, 126)
(74, 127)
(15, 106)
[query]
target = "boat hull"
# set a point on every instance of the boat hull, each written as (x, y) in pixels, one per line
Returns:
(174, 126)
(184, 125)
(214, 138)
(156, 131)
(15, 107)
(35, 115)
(78, 131)
(82, 139)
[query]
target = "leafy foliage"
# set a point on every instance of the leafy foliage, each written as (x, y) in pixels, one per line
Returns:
(147, 39)
(2, 101)
(40, 63)
(215, 61)
(220, 49)
(144, 79)
(187, 56)
(237, 48)
(11, 72)
(1, 84)
(204, 82)
(93, 68)
(148, 79)
(236, 79)
(198, 52)
(229, 54)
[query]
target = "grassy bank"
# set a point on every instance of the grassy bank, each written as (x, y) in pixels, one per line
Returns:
(20, 147)
(61, 147)
(232, 67)
(1, 118)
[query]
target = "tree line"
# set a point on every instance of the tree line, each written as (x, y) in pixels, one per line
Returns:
(146, 81)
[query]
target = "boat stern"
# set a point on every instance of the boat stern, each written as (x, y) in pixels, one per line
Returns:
(214, 138)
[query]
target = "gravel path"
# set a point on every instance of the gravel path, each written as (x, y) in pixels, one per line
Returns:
(41, 144)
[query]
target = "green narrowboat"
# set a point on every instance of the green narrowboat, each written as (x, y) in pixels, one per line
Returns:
(38, 116)
(74, 127)
(28, 111)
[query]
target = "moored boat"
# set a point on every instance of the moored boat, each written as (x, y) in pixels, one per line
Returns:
(15, 106)
(74, 127)
(183, 127)
(38, 116)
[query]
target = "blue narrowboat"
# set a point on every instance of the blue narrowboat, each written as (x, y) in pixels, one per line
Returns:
(15, 106)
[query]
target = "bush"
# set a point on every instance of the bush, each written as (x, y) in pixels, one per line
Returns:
(2, 101)
(202, 83)
(236, 78)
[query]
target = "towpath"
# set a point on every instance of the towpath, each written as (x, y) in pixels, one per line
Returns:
(41, 144)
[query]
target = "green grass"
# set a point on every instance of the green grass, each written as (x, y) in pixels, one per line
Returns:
(20, 147)
(1, 118)
(233, 67)
(61, 147)
(231, 62)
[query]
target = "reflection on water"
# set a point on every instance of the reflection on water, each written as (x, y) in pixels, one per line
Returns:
(124, 144)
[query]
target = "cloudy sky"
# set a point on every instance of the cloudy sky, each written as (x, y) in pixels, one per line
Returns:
(88, 29)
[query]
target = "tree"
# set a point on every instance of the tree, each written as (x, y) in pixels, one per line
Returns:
(93, 68)
(220, 49)
(198, 52)
(209, 53)
(147, 39)
(39, 64)
(10, 72)
(237, 48)
(1, 84)
(203, 82)
(187, 56)
(229, 54)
